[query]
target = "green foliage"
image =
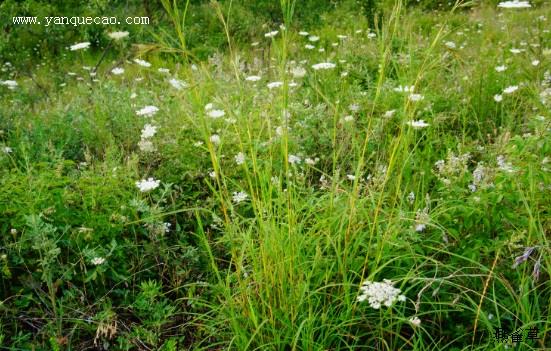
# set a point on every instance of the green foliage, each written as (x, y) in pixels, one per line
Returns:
(275, 204)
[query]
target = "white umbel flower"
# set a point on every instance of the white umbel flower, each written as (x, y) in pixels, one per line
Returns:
(11, 84)
(117, 35)
(271, 34)
(215, 139)
(380, 293)
(404, 89)
(323, 65)
(253, 78)
(177, 84)
(511, 89)
(117, 70)
(148, 131)
(515, 4)
(214, 114)
(96, 261)
(273, 85)
(240, 158)
(142, 63)
(239, 197)
(298, 72)
(80, 46)
(294, 159)
(148, 184)
(418, 124)
(147, 111)
(416, 97)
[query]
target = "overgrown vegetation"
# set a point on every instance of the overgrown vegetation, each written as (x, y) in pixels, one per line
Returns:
(335, 177)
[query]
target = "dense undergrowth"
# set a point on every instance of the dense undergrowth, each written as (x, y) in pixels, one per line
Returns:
(240, 202)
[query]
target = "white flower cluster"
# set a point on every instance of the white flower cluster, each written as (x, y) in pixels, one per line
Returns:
(117, 35)
(239, 197)
(145, 144)
(147, 111)
(80, 46)
(96, 261)
(147, 184)
(380, 293)
(515, 4)
(323, 65)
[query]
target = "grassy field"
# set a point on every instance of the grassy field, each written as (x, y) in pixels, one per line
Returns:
(376, 183)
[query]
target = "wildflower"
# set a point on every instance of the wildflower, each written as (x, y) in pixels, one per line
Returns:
(421, 219)
(147, 111)
(450, 44)
(7, 150)
(379, 293)
(411, 197)
(215, 139)
(416, 97)
(212, 174)
(294, 159)
(117, 70)
(498, 97)
(523, 257)
(11, 84)
(478, 174)
(342, 37)
(239, 197)
(177, 84)
(415, 321)
(313, 38)
(500, 68)
(515, 4)
(303, 33)
(214, 114)
(148, 131)
(511, 89)
(79, 46)
(147, 184)
(96, 261)
(348, 118)
(371, 35)
(142, 63)
(163, 70)
(253, 78)
(418, 124)
(117, 35)
(240, 158)
(404, 89)
(515, 51)
(389, 113)
(309, 47)
(503, 165)
(146, 145)
(271, 34)
(535, 62)
(209, 106)
(298, 72)
(323, 65)
(309, 161)
(272, 85)
(351, 177)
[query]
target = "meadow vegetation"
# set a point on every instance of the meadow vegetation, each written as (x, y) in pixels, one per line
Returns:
(277, 176)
